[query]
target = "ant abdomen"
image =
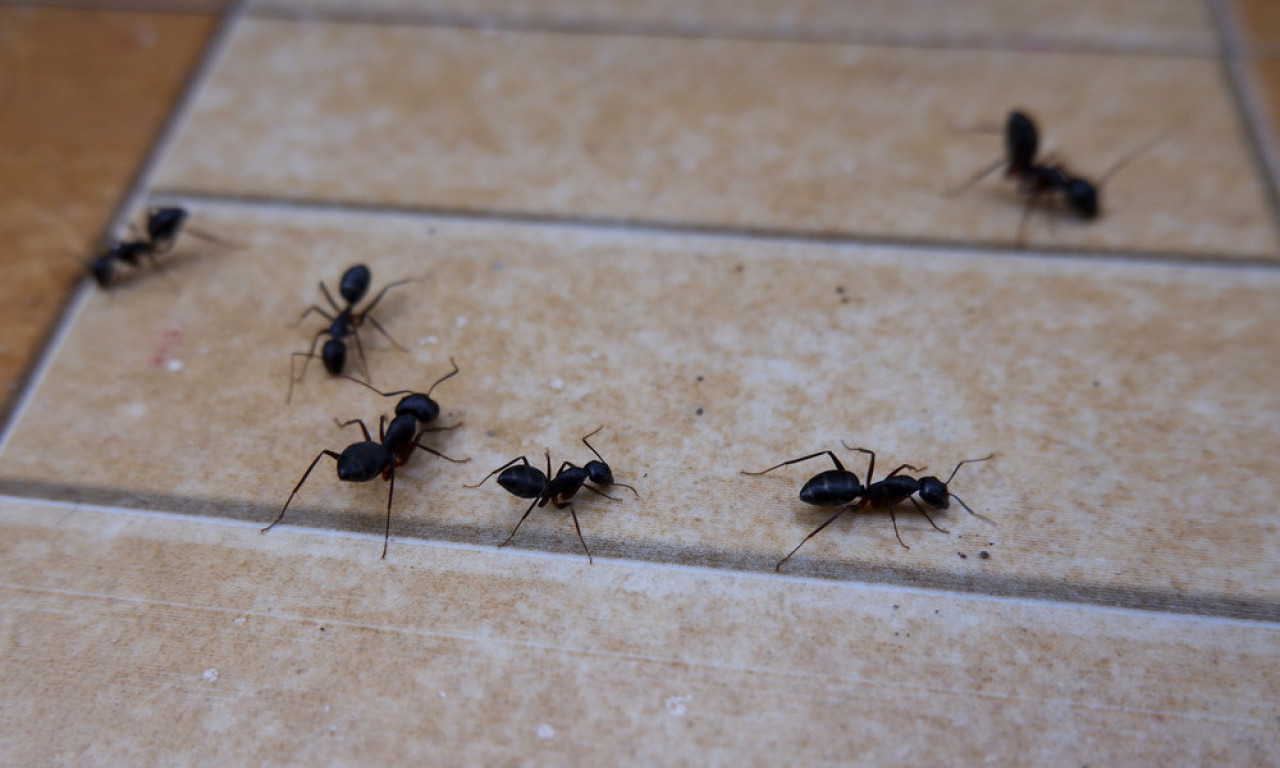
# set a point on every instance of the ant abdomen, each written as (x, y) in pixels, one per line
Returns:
(362, 462)
(523, 481)
(830, 489)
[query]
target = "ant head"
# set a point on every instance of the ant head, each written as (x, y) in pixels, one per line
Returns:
(934, 492)
(420, 407)
(1082, 198)
(164, 223)
(334, 355)
(1021, 141)
(599, 472)
(103, 269)
(355, 283)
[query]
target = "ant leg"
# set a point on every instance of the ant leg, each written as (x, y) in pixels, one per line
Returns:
(522, 519)
(318, 310)
(378, 326)
(363, 428)
(441, 455)
(296, 488)
(833, 518)
(309, 355)
(839, 466)
(382, 293)
(970, 511)
(983, 173)
(386, 536)
(871, 465)
(329, 297)
(894, 519)
(920, 509)
(364, 362)
(578, 528)
(499, 469)
(899, 469)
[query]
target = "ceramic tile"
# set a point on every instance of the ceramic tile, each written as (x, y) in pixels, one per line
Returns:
(85, 93)
(1258, 21)
(1128, 405)
(1183, 25)
(197, 642)
(833, 140)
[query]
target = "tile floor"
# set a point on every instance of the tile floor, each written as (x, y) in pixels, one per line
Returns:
(725, 234)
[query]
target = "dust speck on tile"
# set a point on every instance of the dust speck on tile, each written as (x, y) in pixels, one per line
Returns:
(210, 675)
(677, 705)
(546, 732)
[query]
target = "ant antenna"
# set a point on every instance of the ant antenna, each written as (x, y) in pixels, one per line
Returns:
(1129, 158)
(447, 376)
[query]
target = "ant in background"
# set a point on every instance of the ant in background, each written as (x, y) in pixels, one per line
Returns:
(525, 481)
(163, 227)
(1037, 181)
(363, 461)
(343, 323)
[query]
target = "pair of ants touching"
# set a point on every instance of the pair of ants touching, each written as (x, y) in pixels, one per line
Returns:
(841, 488)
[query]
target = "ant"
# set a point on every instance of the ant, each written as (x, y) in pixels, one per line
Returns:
(525, 481)
(163, 226)
(840, 487)
(1039, 180)
(344, 323)
(365, 460)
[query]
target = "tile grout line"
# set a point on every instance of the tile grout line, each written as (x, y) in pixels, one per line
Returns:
(761, 33)
(421, 543)
(782, 235)
(1244, 90)
(136, 193)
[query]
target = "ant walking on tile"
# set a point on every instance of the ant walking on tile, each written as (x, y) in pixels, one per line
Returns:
(1038, 181)
(525, 481)
(363, 461)
(344, 323)
(839, 487)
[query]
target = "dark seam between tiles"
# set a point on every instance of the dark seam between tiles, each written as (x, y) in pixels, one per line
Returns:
(713, 31)
(1248, 110)
(561, 540)
(783, 235)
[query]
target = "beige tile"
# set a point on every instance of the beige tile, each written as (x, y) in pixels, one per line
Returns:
(84, 94)
(1130, 406)
(814, 138)
(192, 641)
(1181, 25)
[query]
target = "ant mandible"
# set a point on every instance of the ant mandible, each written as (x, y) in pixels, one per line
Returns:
(344, 323)
(363, 461)
(163, 226)
(1038, 180)
(525, 481)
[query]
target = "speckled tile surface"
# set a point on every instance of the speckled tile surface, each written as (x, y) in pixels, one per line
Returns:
(758, 135)
(722, 234)
(1130, 450)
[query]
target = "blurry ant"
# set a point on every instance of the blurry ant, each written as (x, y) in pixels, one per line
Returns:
(363, 461)
(163, 227)
(1037, 181)
(525, 481)
(344, 323)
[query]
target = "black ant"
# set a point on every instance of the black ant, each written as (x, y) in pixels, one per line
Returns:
(163, 226)
(525, 481)
(840, 487)
(344, 323)
(366, 460)
(1038, 180)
